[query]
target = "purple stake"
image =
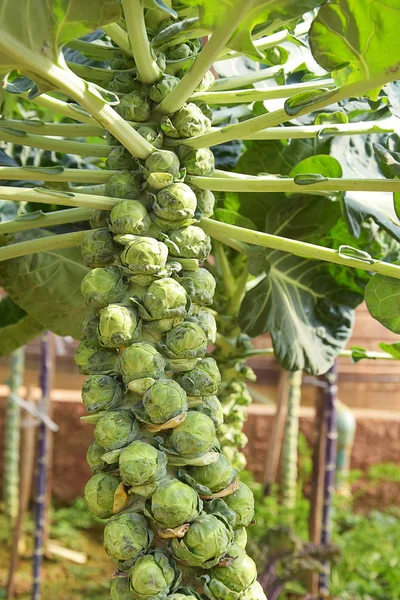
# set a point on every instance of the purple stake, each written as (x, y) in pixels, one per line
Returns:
(329, 414)
(41, 467)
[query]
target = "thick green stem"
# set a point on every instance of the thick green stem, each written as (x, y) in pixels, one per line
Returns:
(61, 108)
(290, 442)
(96, 74)
(280, 91)
(317, 131)
(59, 174)
(236, 299)
(302, 249)
(119, 36)
(93, 49)
(225, 269)
(239, 81)
(16, 194)
(58, 217)
(148, 70)
(60, 129)
(367, 354)
(53, 144)
(43, 244)
(204, 61)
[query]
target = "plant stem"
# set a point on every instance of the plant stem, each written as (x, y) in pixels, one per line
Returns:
(61, 129)
(290, 442)
(43, 244)
(346, 426)
(60, 107)
(96, 74)
(296, 247)
(239, 81)
(343, 354)
(279, 91)
(225, 269)
(59, 174)
(204, 61)
(119, 36)
(93, 49)
(15, 194)
(147, 68)
(58, 217)
(244, 183)
(53, 144)
(12, 435)
(236, 299)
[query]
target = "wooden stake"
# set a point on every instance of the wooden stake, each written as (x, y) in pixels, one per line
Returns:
(276, 436)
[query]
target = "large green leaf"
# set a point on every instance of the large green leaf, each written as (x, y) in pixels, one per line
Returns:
(382, 296)
(357, 40)
(47, 286)
(17, 328)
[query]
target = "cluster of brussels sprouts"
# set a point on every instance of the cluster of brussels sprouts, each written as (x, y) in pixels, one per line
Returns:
(176, 512)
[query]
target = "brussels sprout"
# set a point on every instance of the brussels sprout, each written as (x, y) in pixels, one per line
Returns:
(121, 61)
(203, 380)
(89, 325)
(141, 467)
(111, 140)
(207, 322)
(152, 576)
(99, 249)
(165, 298)
(206, 82)
(144, 256)
(184, 51)
(101, 392)
(103, 285)
(205, 543)
(175, 202)
(158, 181)
(196, 161)
(93, 359)
(254, 592)
(184, 594)
(193, 437)
(205, 202)
(120, 159)
(105, 495)
(174, 503)
(240, 537)
(94, 460)
(134, 107)
(163, 161)
(151, 134)
(216, 476)
(164, 401)
(189, 121)
(125, 538)
(161, 88)
(186, 340)
(242, 503)
(199, 284)
(211, 407)
(124, 184)
(141, 361)
(217, 506)
(99, 218)
(160, 59)
(119, 326)
(189, 242)
(122, 83)
(129, 216)
(229, 582)
(120, 589)
(116, 429)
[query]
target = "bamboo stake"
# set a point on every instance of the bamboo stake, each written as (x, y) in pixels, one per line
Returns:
(276, 436)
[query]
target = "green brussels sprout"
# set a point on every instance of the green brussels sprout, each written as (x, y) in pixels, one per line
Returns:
(129, 216)
(126, 537)
(175, 202)
(163, 161)
(174, 503)
(144, 256)
(116, 429)
(214, 477)
(141, 467)
(193, 437)
(141, 362)
(205, 543)
(151, 134)
(111, 140)
(119, 326)
(203, 380)
(184, 594)
(99, 218)
(200, 285)
(134, 107)
(189, 242)
(93, 359)
(101, 392)
(121, 61)
(240, 537)
(205, 202)
(120, 159)
(158, 181)
(211, 407)
(152, 576)
(94, 460)
(122, 83)
(242, 503)
(120, 589)
(99, 248)
(184, 51)
(89, 325)
(124, 184)
(236, 416)
(217, 506)
(160, 59)
(188, 122)
(206, 82)
(165, 298)
(229, 582)
(105, 495)
(186, 340)
(164, 401)
(207, 322)
(103, 285)
(161, 88)
(254, 592)
(196, 161)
